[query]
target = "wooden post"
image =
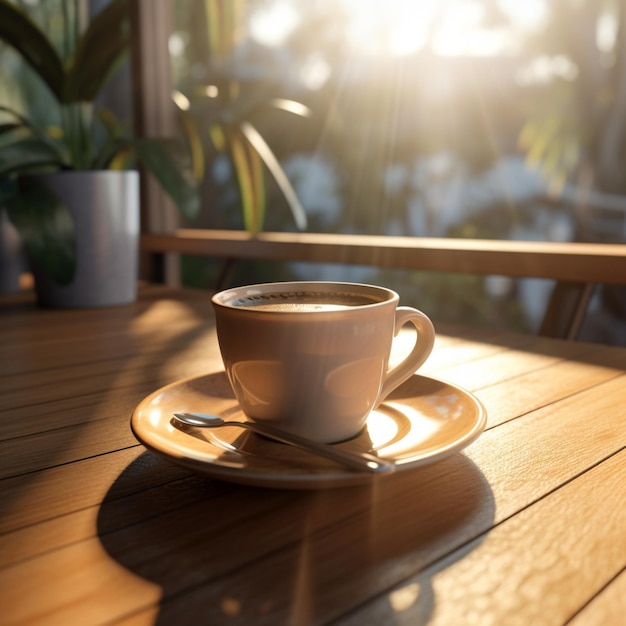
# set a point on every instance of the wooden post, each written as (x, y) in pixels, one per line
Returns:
(566, 310)
(154, 116)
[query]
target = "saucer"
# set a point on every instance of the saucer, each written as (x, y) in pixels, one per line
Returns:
(422, 421)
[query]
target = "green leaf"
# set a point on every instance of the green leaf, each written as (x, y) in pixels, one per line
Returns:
(7, 128)
(169, 161)
(221, 26)
(217, 137)
(20, 31)
(249, 178)
(116, 154)
(196, 149)
(29, 153)
(258, 185)
(99, 51)
(19, 117)
(47, 231)
(272, 164)
(11, 132)
(115, 150)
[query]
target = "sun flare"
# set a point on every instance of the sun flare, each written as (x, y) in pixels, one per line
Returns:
(405, 27)
(399, 27)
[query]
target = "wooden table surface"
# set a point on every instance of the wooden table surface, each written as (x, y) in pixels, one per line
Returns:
(526, 526)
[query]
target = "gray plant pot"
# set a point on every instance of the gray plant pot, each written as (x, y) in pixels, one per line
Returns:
(105, 208)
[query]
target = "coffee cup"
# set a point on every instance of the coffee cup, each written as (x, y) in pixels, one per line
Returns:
(312, 358)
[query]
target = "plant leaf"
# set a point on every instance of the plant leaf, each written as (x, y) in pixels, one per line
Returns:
(7, 128)
(190, 128)
(18, 116)
(291, 106)
(272, 164)
(258, 186)
(99, 51)
(169, 161)
(115, 152)
(249, 171)
(122, 159)
(244, 175)
(217, 137)
(221, 22)
(29, 153)
(23, 34)
(47, 230)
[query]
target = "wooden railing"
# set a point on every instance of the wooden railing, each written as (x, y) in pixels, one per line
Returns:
(572, 262)
(576, 267)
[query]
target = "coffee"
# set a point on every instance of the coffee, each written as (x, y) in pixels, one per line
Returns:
(304, 301)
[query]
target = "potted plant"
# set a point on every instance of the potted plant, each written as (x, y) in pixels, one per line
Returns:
(68, 190)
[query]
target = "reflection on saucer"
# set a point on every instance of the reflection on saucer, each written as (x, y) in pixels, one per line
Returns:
(422, 421)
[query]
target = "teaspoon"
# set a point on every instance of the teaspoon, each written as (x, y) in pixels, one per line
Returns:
(361, 461)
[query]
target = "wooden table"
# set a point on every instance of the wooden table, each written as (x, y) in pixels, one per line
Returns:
(526, 526)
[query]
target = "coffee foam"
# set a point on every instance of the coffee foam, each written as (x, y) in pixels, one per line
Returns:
(290, 307)
(304, 301)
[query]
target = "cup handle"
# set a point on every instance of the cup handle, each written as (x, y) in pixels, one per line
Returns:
(421, 350)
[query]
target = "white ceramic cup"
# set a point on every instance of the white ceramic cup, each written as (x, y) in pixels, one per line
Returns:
(312, 358)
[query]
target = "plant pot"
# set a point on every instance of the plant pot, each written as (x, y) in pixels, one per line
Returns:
(104, 206)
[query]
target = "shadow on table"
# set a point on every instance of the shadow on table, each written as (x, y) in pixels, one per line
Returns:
(228, 554)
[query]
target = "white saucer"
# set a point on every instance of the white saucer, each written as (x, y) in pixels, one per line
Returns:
(422, 421)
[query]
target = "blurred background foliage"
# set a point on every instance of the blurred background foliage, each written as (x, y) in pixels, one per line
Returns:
(462, 118)
(539, 81)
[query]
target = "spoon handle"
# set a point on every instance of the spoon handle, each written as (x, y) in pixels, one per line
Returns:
(360, 461)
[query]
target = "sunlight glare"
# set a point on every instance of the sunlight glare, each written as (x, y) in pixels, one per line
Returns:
(272, 25)
(459, 31)
(451, 27)
(404, 598)
(528, 15)
(396, 27)
(606, 32)
(406, 27)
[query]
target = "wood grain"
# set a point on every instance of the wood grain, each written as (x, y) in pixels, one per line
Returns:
(526, 526)
(535, 568)
(578, 262)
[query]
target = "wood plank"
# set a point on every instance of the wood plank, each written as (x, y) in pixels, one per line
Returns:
(162, 485)
(578, 262)
(535, 568)
(43, 385)
(540, 388)
(500, 366)
(464, 499)
(34, 498)
(159, 364)
(445, 357)
(321, 577)
(608, 607)
(67, 343)
(509, 357)
(586, 425)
